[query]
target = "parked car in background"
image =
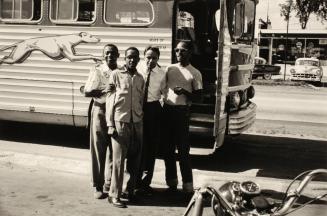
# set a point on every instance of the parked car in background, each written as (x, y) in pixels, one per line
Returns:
(307, 69)
(261, 68)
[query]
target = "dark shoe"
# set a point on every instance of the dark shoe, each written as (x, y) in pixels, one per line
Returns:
(172, 189)
(97, 193)
(116, 202)
(124, 196)
(188, 187)
(132, 198)
(145, 191)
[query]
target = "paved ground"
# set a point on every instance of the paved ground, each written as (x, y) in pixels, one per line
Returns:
(44, 170)
(53, 180)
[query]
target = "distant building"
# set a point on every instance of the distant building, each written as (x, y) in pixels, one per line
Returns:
(264, 24)
(277, 47)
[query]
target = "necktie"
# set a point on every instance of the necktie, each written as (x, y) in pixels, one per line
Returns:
(146, 90)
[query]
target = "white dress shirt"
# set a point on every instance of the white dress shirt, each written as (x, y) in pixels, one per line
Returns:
(157, 81)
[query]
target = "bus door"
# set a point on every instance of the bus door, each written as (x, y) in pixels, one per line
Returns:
(222, 73)
(234, 66)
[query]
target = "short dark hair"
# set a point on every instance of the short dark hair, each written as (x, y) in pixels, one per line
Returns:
(152, 48)
(113, 46)
(132, 48)
(188, 44)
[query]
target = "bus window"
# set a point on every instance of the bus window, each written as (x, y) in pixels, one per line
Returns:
(129, 12)
(74, 11)
(20, 10)
(242, 26)
(249, 7)
(185, 26)
(238, 20)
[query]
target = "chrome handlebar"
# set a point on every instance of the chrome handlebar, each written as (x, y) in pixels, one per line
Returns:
(219, 201)
(294, 195)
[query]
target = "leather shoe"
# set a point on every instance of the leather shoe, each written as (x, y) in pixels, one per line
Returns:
(172, 189)
(97, 193)
(116, 202)
(145, 191)
(132, 198)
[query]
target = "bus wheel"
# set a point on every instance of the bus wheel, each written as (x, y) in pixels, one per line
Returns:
(267, 76)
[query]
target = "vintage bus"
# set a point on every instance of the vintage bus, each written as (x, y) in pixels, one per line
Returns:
(48, 46)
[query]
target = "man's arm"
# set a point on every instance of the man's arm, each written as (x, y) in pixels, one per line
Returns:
(195, 96)
(92, 84)
(94, 93)
(110, 107)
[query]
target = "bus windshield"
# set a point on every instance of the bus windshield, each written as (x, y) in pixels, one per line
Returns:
(241, 18)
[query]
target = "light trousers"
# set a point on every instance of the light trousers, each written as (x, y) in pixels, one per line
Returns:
(126, 144)
(100, 148)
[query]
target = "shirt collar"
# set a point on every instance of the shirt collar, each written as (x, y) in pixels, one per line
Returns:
(123, 69)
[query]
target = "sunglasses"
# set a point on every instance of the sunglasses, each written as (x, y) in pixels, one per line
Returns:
(180, 50)
(107, 53)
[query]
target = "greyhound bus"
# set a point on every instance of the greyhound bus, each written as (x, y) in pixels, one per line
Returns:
(48, 46)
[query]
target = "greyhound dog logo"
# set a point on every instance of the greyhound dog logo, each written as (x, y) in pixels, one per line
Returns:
(55, 47)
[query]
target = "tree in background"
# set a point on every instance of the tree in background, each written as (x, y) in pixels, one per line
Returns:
(286, 8)
(303, 10)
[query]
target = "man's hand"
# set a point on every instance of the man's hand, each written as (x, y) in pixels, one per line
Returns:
(111, 88)
(195, 96)
(97, 60)
(112, 131)
(179, 90)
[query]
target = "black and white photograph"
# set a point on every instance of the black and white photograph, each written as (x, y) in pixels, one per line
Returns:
(163, 107)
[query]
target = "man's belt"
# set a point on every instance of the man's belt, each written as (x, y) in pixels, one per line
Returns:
(101, 105)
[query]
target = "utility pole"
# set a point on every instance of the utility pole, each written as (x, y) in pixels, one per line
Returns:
(286, 44)
(285, 49)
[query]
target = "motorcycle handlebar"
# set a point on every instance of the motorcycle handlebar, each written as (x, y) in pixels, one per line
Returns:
(291, 198)
(294, 195)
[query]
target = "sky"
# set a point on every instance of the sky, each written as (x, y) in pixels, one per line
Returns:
(278, 22)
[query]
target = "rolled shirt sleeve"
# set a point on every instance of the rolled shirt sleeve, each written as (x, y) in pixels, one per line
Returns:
(93, 80)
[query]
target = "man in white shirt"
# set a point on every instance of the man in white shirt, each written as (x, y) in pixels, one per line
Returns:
(154, 78)
(183, 85)
(96, 87)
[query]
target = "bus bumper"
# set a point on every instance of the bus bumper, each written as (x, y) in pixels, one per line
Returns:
(241, 120)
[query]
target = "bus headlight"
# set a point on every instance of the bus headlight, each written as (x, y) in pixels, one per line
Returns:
(235, 99)
(250, 92)
(244, 96)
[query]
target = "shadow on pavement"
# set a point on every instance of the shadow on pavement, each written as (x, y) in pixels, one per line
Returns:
(161, 197)
(180, 199)
(58, 135)
(276, 157)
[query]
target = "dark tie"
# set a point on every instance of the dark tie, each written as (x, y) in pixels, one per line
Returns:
(146, 90)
